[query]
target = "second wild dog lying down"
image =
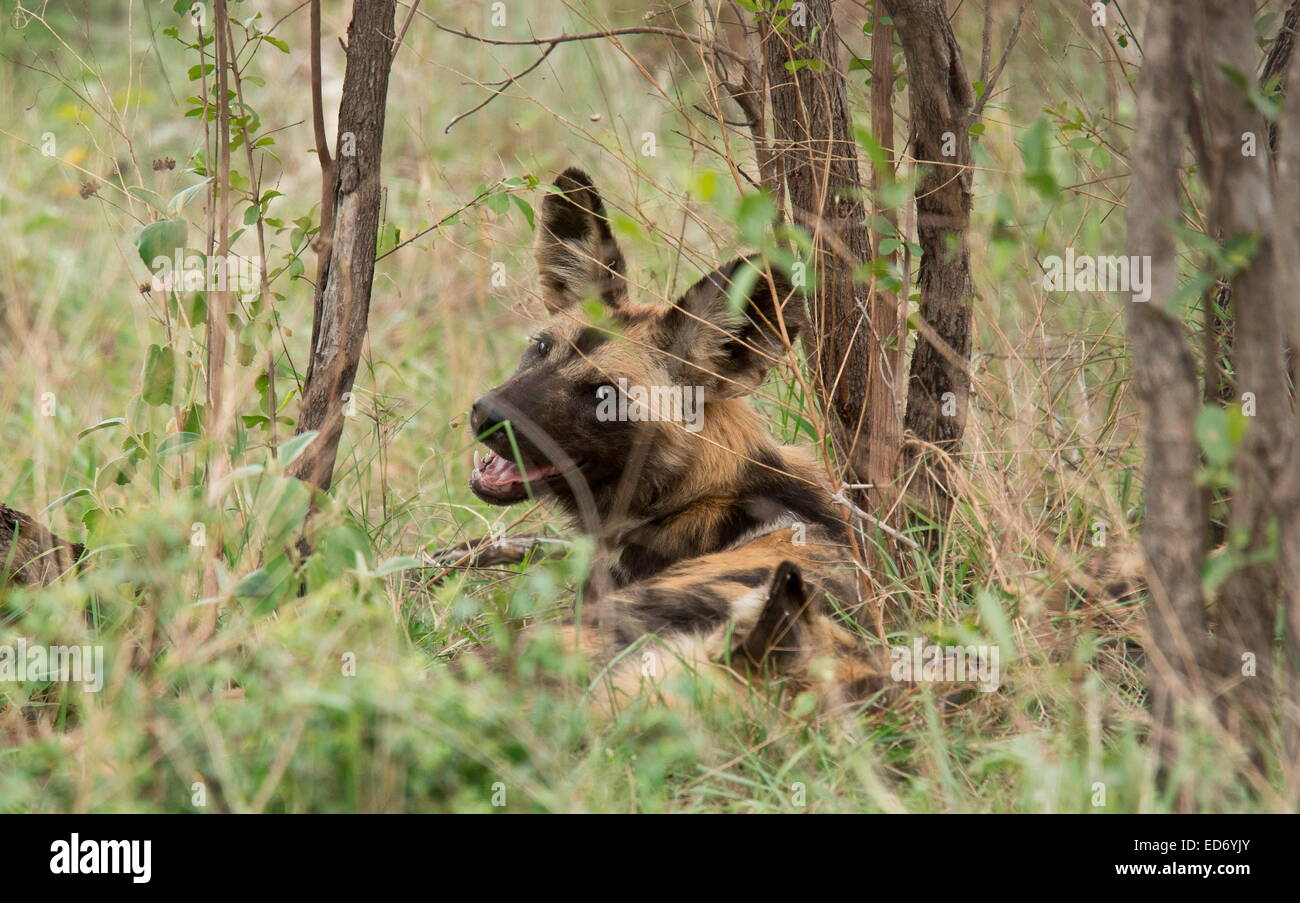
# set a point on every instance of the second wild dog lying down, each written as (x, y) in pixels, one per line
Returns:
(711, 537)
(30, 555)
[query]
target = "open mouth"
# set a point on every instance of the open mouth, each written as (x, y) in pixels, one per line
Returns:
(500, 480)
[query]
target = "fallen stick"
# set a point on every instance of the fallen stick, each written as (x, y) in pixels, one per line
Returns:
(493, 551)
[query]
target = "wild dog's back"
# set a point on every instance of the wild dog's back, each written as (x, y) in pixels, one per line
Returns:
(30, 555)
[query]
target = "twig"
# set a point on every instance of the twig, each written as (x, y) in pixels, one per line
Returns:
(406, 23)
(438, 225)
(843, 498)
(501, 87)
(328, 187)
(489, 552)
(1006, 54)
(590, 36)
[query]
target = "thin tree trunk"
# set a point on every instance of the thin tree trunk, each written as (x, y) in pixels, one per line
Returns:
(345, 294)
(1173, 532)
(1278, 61)
(219, 412)
(940, 105)
(1287, 498)
(815, 164)
(888, 316)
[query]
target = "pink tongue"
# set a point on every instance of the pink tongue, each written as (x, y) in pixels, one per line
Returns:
(501, 471)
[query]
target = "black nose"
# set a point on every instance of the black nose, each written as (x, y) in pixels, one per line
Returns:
(484, 417)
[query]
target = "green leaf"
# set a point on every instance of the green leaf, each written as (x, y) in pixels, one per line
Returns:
(1212, 434)
(1239, 251)
(742, 285)
(525, 208)
(753, 215)
(159, 375)
(65, 498)
(1234, 76)
(1218, 567)
(197, 309)
(184, 196)
(295, 447)
(177, 444)
(254, 584)
(102, 425)
(117, 471)
(1190, 291)
(1044, 183)
(394, 565)
(996, 622)
(161, 239)
(1037, 157)
(389, 237)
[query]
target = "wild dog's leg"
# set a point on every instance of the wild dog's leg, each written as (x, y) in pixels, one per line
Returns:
(733, 611)
(719, 610)
(679, 622)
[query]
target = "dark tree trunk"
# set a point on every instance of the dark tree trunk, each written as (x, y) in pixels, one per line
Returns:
(940, 104)
(1194, 81)
(815, 163)
(1173, 531)
(345, 296)
(1241, 205)
(1220, 386)
(1278, 62)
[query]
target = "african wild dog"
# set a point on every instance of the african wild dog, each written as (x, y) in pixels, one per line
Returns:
(721, 543)
(30, 555)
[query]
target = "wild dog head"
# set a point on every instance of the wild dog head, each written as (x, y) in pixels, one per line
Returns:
(585, 411)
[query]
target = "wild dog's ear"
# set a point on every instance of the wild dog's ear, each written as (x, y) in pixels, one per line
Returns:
(577, 255)
(732, 344)
(776, 636)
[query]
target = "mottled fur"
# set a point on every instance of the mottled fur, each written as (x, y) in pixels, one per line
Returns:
(716, 548)
(30, 555)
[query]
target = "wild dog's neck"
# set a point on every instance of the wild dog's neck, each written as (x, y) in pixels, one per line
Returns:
(722, 485)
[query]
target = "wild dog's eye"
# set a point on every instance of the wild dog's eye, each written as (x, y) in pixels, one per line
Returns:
(541, 346)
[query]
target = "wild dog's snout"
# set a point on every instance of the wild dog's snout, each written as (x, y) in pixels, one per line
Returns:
(484, 415)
